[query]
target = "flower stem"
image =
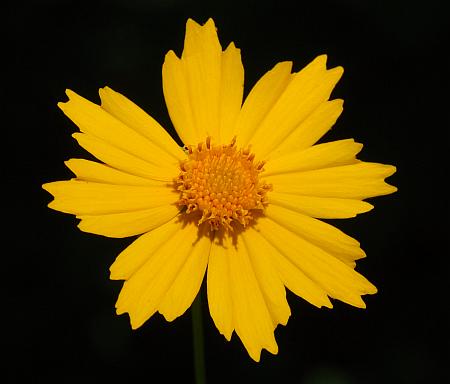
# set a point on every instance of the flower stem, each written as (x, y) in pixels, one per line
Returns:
(198, 340)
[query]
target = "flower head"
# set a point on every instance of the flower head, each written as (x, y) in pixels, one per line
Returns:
(240, 202)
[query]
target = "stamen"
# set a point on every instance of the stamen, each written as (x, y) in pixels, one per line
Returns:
(222, 183)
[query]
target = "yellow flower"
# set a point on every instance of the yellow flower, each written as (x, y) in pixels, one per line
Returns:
(242, 199)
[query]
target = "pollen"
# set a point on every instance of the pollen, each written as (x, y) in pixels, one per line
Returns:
(222, 183)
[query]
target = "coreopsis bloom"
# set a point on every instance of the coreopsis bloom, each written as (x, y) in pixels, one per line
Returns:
(241, 202)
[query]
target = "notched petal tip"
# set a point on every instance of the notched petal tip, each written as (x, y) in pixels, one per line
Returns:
(192, 25)
(231, 47)
(81, 226)
(370, 289)
(339, 103)
(255, 353)
(209, 24)
(286, 63)
(104, 91)
(374, 291)
(134, 320)
(54, 187)
(336, 72)
(50, 189)
(390, 169)
(169, 317)
(71, 94)
(255, 356)
(323, 302)
(54, 205)
(321, 59)
(61, 105)
(119, 311)
(339, 69)
(116, 273)
(46, 186)
(366, 208)
(135, 324)
(228, 335)
(108, 91)
(170, 56)
(284, 67)
(321, 62)
(70, 165)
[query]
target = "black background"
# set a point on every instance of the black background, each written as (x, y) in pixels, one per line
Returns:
(58, 302)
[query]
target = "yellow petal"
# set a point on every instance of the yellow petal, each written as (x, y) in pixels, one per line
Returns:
(335, 277)
(125, 161)
(203, 89)
(134, 117)
(95, 121)
(219, 290)
(187, 284)
(260, 100)
(136, 254)
(291, 276)
(236, 300)
(356, 181)
(88, 198)
(319, 233)
(192, 85)
(203, 76)
(308, 89)
(309, 131)
(176, 95)
(320, 207)
(231, 90)
(127, 223)
(268, 279)
(201, 40)
(102, 173)
(144, 291)
(341, 152)
(251, 316)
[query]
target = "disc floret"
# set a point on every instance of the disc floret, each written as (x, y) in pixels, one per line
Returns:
(222, 183)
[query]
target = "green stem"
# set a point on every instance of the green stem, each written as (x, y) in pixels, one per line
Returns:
(198, 342)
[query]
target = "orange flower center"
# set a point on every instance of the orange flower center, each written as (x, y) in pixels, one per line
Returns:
(222, 183)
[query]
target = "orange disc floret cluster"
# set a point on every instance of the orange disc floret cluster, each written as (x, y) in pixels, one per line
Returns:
(222, 183)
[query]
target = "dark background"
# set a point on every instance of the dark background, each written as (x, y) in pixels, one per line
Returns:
(59, 303)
